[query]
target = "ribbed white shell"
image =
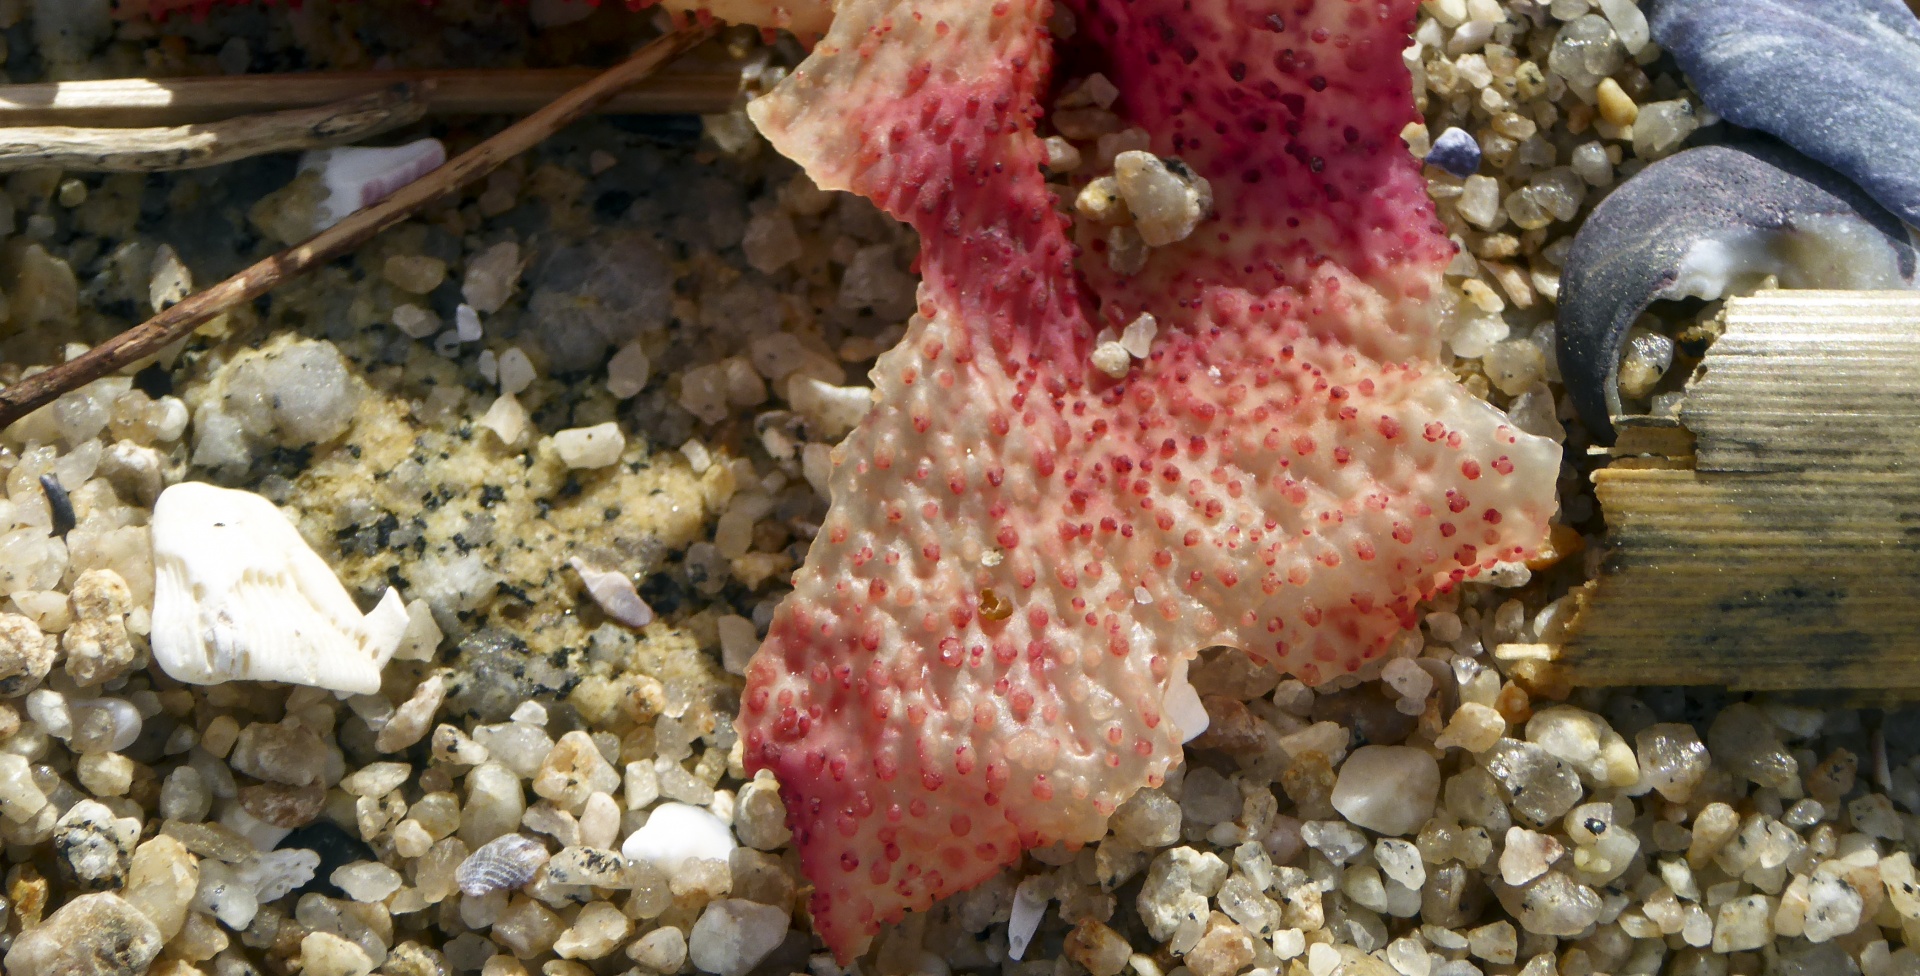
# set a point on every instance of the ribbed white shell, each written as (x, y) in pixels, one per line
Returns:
(238, 594)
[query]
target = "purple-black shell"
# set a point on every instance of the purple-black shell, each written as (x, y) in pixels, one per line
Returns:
(1633, 246)
(1838, 80)
(501, 864)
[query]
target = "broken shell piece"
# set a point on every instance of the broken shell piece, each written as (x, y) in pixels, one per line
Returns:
(1029, 906)
(615, 594)
(1704, 223)
(676, 833)
(239, 595)
(357, 177)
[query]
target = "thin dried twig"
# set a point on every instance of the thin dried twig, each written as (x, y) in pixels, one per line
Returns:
(149, 337)
(695, 87)
(211, 143)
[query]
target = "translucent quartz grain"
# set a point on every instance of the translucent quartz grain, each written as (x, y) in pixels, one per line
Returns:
(732, 936)
(1554, 904)
(491, 277)
(415, 274)
(366, 881)
(663, 950)
(494, 804)
(597, 930)
(1166, 199)
(1542, 786)
(1586, 50)
(1479, 202)
(1660, 127)
(1209, 798)
(1147, 820)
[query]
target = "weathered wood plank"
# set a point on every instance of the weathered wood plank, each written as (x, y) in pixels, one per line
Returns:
(1786, 554)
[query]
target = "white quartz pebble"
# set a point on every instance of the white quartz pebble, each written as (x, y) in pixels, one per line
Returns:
(516, 370)
(590, 447)
(734, 934)
(466, 323)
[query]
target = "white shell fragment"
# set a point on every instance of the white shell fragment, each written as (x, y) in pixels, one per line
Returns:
(615, 594)
(357, 177)
(676, 833)
(1029, 905)
(239, 595)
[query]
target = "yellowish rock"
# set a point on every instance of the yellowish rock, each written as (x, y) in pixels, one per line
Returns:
(1616, 106)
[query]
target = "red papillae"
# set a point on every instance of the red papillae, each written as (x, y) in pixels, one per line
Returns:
(1021, 552)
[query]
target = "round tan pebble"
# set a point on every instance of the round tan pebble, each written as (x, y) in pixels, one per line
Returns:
(1387, 789)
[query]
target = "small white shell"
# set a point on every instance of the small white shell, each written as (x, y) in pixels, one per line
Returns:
(1029, 905)
(239, 595)
(501, 864)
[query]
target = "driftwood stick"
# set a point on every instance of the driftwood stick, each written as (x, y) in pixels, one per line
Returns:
(151, 336)
(210, 144)
(697, 87)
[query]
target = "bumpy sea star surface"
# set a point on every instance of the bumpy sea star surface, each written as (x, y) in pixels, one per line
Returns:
(1022, 552)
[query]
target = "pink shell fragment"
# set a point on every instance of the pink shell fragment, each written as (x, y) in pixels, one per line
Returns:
(357, 177)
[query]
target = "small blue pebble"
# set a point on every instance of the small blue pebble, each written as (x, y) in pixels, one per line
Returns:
(1456, 152)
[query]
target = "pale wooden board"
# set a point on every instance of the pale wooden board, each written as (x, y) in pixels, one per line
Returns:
(1787, 556)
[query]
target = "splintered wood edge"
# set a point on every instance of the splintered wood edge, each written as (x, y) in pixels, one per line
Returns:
(98, 150)
(1779, 548)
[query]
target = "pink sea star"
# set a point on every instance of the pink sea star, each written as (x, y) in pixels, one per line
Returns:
(1022, 553)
